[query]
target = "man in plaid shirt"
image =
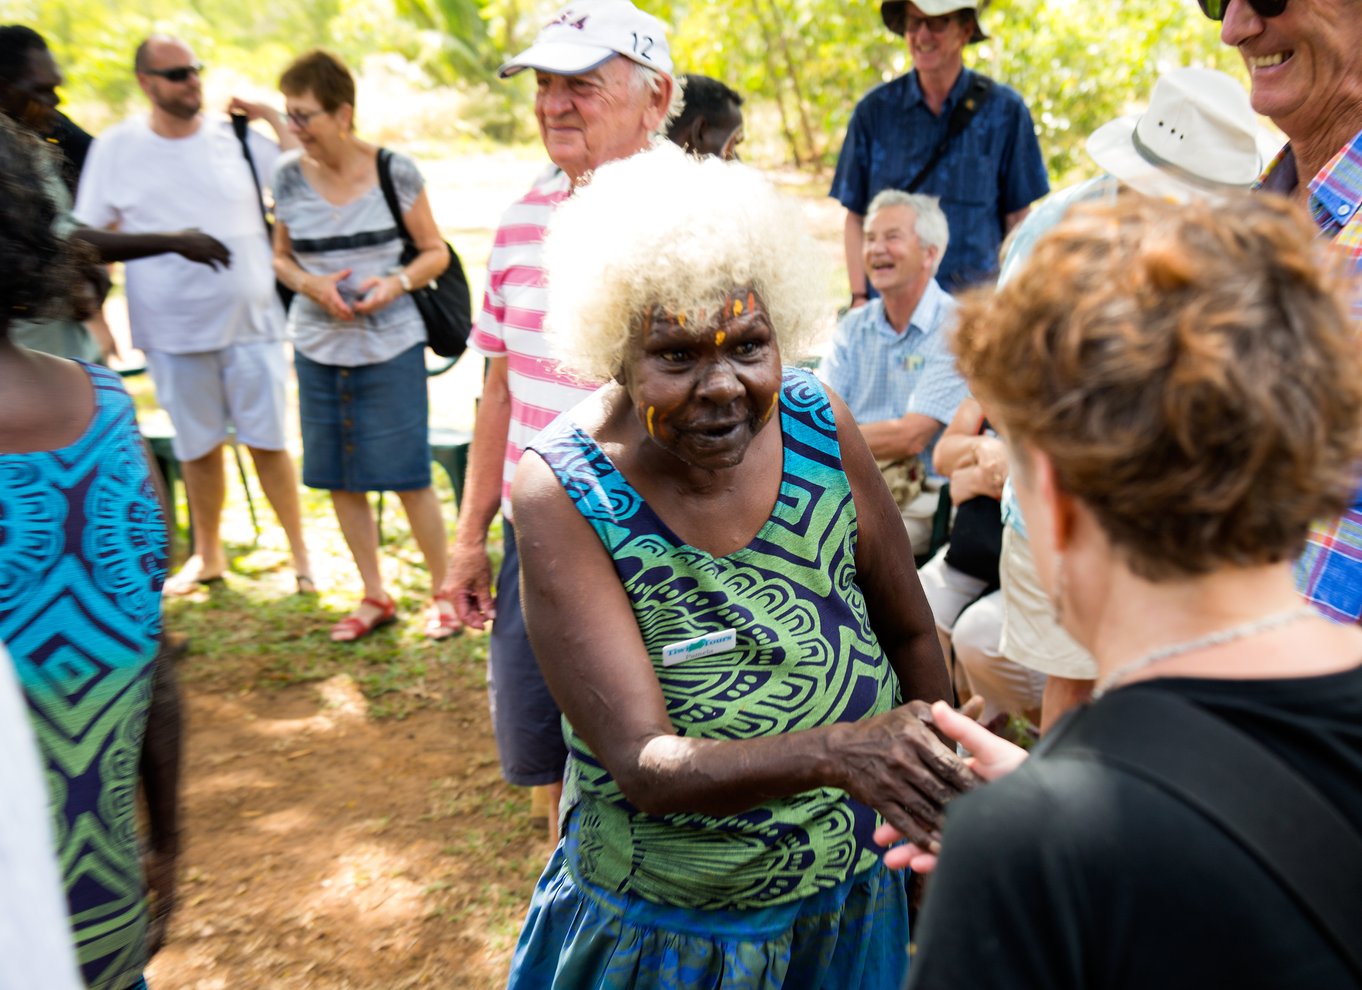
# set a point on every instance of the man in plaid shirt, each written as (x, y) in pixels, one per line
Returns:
(1304, 59)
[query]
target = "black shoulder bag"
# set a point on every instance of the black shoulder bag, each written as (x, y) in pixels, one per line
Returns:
(240, 124)
(976, 537)
(1295, 834)
(975, 95)
(444, 303)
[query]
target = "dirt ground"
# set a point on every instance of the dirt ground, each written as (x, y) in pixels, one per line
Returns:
(322, 852)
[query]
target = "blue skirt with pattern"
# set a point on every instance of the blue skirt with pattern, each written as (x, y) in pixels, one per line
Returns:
(579, 936)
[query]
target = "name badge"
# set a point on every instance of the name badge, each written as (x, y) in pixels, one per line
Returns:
(700, 646)
(914, 362)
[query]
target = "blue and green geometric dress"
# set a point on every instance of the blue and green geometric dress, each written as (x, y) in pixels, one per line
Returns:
(791, 893)
(82, 561)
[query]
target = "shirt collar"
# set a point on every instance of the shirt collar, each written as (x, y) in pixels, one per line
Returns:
(925, 318)
(1335, 193)
(914, 92)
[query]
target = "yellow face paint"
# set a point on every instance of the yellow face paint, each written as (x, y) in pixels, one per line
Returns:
(681, 319)
(737, 307)
(770, 410)
(651, 410)
(719, 338)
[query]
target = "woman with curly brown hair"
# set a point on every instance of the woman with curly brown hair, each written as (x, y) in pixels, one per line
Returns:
(1181, 392)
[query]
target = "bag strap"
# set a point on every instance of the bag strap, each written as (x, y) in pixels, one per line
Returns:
(963, 112)
(1296, 834)
(240, 125)
(385, 182)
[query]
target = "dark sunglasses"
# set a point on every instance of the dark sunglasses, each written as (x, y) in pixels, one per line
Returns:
(936, 25)
(178, 74)
(1215, 9)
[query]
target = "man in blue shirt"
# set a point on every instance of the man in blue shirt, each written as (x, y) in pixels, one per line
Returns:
(987, 175)
(891, 359)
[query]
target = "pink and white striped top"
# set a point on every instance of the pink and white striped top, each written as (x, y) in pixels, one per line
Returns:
(511, 324)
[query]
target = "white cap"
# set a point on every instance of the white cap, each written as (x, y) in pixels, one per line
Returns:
(1198, 138)
(587, 33)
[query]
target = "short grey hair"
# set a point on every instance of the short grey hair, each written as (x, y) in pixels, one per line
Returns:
(646, 77)
(930, 226)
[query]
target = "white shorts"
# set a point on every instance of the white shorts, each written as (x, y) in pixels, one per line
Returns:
(1004, 685)
(948, 591)
(206, 395)
(1031, 637)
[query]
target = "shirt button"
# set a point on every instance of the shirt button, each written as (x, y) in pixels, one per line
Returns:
(345, 373)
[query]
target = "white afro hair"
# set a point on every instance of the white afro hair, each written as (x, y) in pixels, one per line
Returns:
(664, 229)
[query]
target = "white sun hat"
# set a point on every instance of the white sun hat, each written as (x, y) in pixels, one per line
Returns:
(587, 33)
(1199, 138)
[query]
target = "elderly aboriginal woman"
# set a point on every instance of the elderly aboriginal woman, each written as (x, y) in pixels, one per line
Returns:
(1182, 394)
(720, 593)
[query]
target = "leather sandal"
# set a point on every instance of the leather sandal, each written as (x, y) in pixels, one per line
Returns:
(443, 625)
(352, 627)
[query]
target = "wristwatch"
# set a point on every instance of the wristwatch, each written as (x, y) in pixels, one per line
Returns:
(403, 280)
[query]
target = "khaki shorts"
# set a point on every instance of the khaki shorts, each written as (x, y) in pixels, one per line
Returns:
(1031, 637)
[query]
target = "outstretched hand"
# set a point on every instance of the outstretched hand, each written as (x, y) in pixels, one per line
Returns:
(992, 757)
(896, 764)
(195, 245)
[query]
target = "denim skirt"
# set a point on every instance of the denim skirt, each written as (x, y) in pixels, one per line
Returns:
(364, 428)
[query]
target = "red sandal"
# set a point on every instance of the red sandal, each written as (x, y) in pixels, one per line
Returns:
(443, 625)
(352, 627)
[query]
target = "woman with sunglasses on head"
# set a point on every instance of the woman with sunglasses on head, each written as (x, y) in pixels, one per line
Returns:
(359, 341)
(1181, 392)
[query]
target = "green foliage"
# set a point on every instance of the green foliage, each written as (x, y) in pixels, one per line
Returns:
(802, 64)
(1077, 65)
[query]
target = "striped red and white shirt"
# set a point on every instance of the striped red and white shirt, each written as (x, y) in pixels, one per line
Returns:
(511, 324)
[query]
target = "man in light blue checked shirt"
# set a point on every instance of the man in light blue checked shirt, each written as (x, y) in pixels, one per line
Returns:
(891, 358)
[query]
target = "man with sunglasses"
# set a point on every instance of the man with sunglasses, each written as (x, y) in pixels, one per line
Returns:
(1304, 61)
(29, 79)
(213, 337)
(946, 131)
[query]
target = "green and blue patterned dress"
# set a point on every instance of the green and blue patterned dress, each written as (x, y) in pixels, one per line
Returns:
(82, 561)
(791, 893)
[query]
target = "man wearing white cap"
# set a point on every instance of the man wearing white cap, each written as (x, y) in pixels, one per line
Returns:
(1198, 139)
(604, 75)
(946, 131)
(1304, 60)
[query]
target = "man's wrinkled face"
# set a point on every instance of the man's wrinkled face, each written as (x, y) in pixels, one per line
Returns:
(894, 256)
(939, 50)
(595, 117)
(1304, 64)
(32, 98)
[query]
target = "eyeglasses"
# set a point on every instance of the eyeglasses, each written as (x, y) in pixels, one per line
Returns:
(176, 75)
(1215, 9)
(937, 25)
(301, 118)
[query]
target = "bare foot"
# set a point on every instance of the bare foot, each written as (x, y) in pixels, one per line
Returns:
(192, 576)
